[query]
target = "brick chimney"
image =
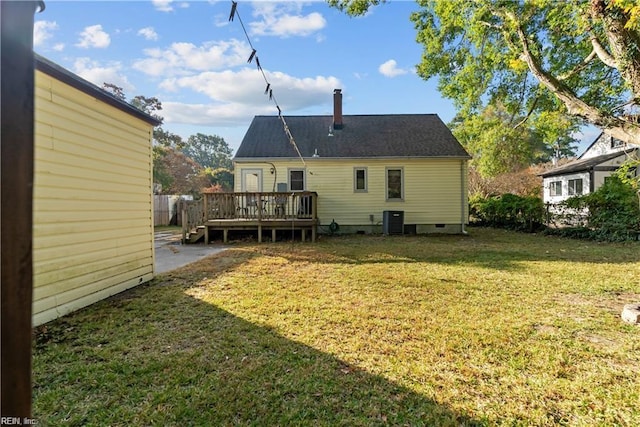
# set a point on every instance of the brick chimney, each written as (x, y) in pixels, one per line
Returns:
(337, 108)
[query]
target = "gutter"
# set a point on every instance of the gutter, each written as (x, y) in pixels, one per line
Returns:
(333, 158)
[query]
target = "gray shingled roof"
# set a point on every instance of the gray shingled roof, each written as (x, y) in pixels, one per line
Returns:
(582, 165)
(362, 136)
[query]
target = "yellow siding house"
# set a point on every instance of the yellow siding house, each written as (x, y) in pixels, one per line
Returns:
(364, 168)
(92, 213)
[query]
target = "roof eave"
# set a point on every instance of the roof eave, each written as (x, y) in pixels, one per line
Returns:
(54, 70)
(321, 158)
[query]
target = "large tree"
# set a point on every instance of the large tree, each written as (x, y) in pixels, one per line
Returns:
(210, 151)
(576, 57)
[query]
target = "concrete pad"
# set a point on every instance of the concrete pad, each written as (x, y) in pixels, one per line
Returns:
(170, 253)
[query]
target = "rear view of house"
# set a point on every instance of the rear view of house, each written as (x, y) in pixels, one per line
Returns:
(93, 208)
(370, 172)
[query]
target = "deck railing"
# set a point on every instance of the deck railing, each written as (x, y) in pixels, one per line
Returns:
(191, 215)
(260, 205)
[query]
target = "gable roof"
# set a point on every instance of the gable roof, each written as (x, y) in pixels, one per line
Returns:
(54, 70)
(362, 136)
(582, 165)
(594, 142)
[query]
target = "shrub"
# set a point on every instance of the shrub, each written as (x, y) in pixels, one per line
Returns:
(508, 211)
(612, 212)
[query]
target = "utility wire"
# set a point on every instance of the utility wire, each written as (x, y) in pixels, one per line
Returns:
(268, 90)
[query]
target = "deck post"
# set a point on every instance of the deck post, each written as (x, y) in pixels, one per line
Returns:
(17, 159)
(273, 235)
(259, 233)
(205, 208)
(225, 235)
(206, 234)
(183, 215)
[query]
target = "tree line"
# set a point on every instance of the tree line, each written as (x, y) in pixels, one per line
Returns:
(199, 163)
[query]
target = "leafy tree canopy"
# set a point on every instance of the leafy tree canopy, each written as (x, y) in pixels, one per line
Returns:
(574, 57)
(180, 174)
(210, 151)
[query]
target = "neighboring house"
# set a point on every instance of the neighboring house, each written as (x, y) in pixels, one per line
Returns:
(361, 166)
(588, 172)
(93, 205)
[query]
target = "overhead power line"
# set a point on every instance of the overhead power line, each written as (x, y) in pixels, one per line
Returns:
(269, 90)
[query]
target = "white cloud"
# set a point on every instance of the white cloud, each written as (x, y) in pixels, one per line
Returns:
(99, 74)
(237, 96)
(148, 33)
(167, 5)
(58, 47)
(163, 5)
(180, 58)
(248, 86)
(229, 114)
(94, 36)
(284, 20)
(390, 69)
(42, 31)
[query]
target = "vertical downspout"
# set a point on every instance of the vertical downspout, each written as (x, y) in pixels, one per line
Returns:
(463, 191)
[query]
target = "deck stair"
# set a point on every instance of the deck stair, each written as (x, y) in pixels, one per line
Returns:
(196, 234)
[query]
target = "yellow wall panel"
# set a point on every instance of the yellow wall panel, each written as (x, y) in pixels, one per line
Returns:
(55, 306)
(126, 226)
(78, 276)
(435, 190)
(93, 205)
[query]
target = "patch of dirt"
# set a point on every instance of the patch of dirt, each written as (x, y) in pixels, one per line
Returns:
(612, 302)
(56, 333)
(546, 329)
(601, 341)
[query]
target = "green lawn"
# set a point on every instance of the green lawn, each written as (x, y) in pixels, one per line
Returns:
(493, 328)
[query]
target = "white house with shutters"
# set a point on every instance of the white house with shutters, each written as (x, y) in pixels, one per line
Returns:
(589, 171)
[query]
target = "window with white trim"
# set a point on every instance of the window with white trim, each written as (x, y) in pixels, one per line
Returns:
(296, 180)
(360, 180)
(616, 143)
(395, 183)
(555, 188)
(575, 187)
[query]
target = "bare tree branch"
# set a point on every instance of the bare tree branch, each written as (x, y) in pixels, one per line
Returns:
(524, 120)
(602, 53)
(578, 67)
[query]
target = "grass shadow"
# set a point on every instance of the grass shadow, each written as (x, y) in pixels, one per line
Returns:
(155, 355)
(484, 247)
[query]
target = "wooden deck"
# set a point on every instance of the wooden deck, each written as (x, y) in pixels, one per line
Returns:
(263, 211)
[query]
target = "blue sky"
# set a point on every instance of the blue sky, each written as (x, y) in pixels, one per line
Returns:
(188, 55)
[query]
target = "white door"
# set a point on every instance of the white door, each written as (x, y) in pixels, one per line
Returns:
(251, 180)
